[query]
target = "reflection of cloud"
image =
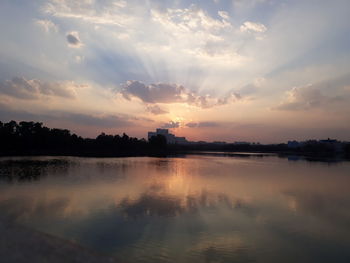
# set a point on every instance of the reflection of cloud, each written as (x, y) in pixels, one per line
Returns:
(224, 249)
(157, 203)
(151, 205)
(322, 205)
(19, 209)
(27, 170)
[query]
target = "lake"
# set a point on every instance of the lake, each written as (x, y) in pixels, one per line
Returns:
(193, 208)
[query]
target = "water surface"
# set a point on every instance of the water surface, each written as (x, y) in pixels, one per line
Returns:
(198, 208)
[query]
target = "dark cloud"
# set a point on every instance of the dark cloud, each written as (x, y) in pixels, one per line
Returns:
(202, 124)
(156, 110)
(170, 125)
(73, 39)
(22, 88)
(163, 93)
(192, 124)
(172, 93)
(104, 121)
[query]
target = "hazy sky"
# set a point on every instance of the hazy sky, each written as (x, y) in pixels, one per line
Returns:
(255, 70)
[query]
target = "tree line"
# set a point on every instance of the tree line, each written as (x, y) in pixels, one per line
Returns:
(33, 138)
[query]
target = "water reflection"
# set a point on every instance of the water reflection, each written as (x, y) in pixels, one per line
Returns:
(149, 204)
(30, 169)
(152, 203)
(193, 209)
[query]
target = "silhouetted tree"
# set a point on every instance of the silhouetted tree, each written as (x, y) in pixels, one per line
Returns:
(33, 138)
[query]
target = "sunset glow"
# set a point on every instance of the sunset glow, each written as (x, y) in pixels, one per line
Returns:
(215, 70)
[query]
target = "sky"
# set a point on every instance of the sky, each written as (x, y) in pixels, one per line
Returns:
(241, 70)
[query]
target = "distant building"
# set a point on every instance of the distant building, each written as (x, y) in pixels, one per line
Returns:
(329, 141)
(241, 143)
(333, 144)
(170, 138)
(218, 142)
(293, 144)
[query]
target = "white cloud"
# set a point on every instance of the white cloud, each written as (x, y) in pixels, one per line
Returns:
(47, 25)
(106, 13)
(224, 15)
(309, 97)
(249, 26)
(120, 3)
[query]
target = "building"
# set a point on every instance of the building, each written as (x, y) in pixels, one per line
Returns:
(170, 138)
(241, 143)
(293, 144)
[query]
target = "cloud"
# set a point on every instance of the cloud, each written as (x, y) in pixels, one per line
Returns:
(191, 20)
(8, 112)
(162, 92)
(202, 124)
(73, 39)
(47, 25)
(306, 98)
(247, 3)
(96, 12)
(189, 37)
(22, 88)
(173, 93)
(253, 27)
(171, 125)
(105, 121)
(156, 110)
(213, 38)
(224, 15)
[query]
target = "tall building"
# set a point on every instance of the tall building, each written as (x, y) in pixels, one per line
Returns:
(170, 138)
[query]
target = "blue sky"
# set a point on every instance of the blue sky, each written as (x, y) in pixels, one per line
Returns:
(257, 70)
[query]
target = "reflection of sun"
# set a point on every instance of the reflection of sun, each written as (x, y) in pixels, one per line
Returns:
(180, 182)
(292, 205)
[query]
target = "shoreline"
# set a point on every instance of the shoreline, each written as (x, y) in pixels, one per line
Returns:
(177, 153)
